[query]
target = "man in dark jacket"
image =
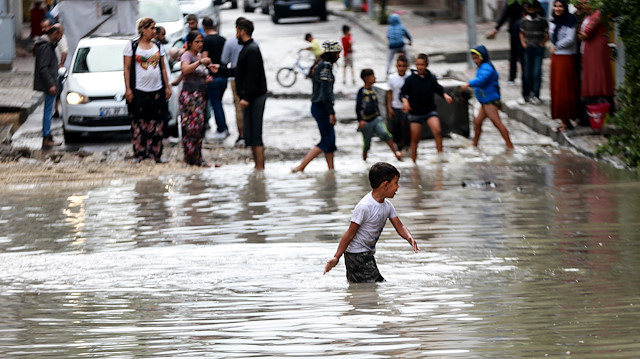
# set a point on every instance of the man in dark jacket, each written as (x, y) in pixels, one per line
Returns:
(251, 85)
(46, 79)
(512, 13)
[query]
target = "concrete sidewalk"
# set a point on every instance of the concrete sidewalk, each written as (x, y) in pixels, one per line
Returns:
(446, 41)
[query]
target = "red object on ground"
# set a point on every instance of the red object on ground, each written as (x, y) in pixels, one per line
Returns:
(597, 113)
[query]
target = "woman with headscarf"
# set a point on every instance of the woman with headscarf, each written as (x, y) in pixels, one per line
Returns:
(193, 98)
(487, 90)
(597, 76)
(563, 74)
(147, 90)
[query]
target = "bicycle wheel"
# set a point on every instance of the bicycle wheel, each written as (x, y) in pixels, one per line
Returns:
(286, 76)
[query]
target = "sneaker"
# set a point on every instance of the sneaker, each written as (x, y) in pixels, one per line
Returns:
(536, 101)
(524, 101)
(511, 83)
(219, 136)
(50, 142)
(240, 142)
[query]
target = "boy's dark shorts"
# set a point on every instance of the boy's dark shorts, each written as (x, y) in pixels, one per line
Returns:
(362, 268)
(422, 119)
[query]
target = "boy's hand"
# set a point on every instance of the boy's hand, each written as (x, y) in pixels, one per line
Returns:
(330, 264)
(332, 120)
(464, 87)
(362, 124)
(414, 244)
(448, 98)
(406, 107)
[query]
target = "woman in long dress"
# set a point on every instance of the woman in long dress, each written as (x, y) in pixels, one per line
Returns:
(193, 98)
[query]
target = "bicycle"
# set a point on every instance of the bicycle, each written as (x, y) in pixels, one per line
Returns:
(286, 76)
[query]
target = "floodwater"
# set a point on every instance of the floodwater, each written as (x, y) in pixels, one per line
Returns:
(537, 255)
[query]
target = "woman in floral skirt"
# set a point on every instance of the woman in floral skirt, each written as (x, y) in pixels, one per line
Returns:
(193, 99)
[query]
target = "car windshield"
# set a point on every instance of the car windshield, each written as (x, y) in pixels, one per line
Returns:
(161, 10)
(103, 58)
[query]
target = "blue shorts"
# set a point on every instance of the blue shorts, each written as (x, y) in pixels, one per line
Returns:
(327, 135)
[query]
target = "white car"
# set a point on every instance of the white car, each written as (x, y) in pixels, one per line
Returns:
(93, 92)
(201, 8)
(165, 13)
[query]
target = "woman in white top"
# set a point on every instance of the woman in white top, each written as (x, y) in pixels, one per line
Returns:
(565, 91)
(147, 90)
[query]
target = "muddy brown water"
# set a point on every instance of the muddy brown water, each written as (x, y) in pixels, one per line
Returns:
(537, 255)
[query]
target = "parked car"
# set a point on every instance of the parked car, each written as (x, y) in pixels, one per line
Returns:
(252, 5)
(201, 8)
(93, 92)
(165, 13)
(234, 3)
(280, 9)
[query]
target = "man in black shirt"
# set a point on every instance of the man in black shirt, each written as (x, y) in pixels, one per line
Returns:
(212, 48)
(251, 85)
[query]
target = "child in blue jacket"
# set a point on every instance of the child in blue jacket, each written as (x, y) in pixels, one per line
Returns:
(487, 91)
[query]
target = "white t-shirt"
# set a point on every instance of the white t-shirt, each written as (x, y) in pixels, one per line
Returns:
(148, 72)
(62, 47)
(371, 216)
(395, 83)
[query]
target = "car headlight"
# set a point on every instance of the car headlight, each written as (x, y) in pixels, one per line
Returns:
(74, 98)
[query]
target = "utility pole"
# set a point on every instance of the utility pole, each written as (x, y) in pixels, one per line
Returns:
(471, 29)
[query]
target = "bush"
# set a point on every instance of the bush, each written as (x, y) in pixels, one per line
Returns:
(626, 141)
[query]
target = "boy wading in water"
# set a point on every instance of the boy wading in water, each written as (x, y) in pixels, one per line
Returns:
(358, 244)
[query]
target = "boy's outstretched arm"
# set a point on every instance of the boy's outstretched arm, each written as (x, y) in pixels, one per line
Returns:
(404, 233)
(347, 237)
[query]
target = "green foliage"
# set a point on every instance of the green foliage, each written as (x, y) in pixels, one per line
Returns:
(626, 142)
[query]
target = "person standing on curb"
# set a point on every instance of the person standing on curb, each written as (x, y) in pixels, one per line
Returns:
(251, 84)
(534, 33)
(212, 48)
(512, 13)
(46, 79)
(147, 89)
(563, 74)
(396, 32)
(322, 102)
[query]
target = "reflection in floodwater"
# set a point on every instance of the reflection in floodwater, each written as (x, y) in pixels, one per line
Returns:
(228, 263)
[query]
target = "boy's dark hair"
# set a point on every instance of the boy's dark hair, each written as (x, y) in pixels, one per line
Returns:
(307, 36)
(402, 58)
(365, 72)
(239, 19)
(345, 29)
(207, 23)
(381, 172)
(246, 25)
(424, 57)
(192, 17)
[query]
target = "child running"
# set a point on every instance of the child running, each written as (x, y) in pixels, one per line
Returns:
(487, 91)
(367, 221)
(398, 119)
(369, 119)
(417, 100)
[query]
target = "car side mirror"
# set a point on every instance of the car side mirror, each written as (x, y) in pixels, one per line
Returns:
(177, 67)
(62, 72)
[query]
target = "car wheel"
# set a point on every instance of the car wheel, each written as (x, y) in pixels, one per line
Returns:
(71, 137)
(265, 10)
(323, 15)
(275, 18)
(234, 4)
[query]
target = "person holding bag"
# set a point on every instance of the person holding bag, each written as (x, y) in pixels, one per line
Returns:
(147, 90)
